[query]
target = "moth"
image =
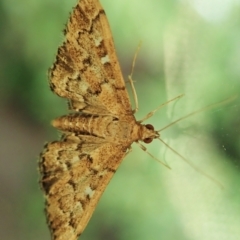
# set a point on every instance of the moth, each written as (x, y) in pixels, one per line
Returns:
(100, 128)
(98, 132)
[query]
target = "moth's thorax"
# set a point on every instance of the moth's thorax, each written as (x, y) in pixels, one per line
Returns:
(123, 129)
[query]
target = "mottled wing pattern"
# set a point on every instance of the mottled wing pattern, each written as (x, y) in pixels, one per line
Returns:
(75, 172)
(86, 70)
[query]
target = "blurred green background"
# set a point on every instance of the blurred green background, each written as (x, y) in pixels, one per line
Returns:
(189, 47)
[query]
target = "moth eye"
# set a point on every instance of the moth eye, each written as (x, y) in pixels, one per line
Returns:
(148, 140)
(149, 126)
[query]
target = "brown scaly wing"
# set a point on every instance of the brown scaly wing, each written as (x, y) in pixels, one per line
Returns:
(75, 172)
(86, 70)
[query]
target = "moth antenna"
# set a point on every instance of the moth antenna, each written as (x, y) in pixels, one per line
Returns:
(192, 165)
(131, 80)
(158, 108)
(145, 150)
(213, 105)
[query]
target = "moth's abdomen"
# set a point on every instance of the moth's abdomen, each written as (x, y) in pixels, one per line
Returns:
(83, 124)
(106, 127)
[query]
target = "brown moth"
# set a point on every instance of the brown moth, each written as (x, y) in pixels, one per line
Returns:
(97, 135)
(101, 127)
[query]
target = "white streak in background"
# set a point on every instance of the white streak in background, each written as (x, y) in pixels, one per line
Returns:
(214, 10)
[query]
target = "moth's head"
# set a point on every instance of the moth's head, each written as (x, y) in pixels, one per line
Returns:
(148, 133)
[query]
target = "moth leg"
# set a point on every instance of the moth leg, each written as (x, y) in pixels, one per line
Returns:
(131, 80)
(150, 114)
(134, 94)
